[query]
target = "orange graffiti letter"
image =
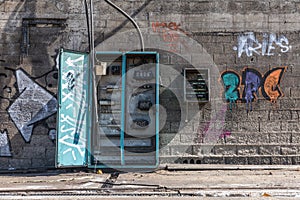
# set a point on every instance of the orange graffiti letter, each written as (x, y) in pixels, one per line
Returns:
(271, 90)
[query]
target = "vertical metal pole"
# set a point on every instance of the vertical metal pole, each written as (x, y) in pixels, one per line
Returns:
(93, 95)
(92, 30)
(87, 22)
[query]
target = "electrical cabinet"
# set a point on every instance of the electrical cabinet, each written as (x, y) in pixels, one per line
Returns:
(126, 89)
(196, 85)
(127, 97)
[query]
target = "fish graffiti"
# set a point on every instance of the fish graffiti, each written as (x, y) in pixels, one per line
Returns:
(32, 105)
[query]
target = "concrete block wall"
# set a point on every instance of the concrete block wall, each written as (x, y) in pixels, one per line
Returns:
(222, 36)
(29, 77)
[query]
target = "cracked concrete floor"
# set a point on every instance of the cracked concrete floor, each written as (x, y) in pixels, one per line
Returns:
(161, 184)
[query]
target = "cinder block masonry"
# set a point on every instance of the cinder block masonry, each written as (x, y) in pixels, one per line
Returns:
(250, 48)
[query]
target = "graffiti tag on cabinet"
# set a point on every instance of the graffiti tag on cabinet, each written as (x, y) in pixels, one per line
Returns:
(73, 113)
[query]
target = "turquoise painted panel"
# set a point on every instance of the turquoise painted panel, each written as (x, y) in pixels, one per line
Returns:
(73, 127)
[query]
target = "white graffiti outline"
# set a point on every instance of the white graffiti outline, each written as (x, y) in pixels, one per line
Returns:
(249, 44)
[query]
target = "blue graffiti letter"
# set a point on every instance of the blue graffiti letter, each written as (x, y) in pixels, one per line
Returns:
(252, 80)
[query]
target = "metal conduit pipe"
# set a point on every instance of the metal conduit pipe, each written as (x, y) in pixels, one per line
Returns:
(87, 22)
(132, 20)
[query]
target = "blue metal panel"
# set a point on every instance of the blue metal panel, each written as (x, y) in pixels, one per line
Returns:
(141, 53)
(109, 53)
(157, 109)
(72, 122)
(123, 109)
(90, 99)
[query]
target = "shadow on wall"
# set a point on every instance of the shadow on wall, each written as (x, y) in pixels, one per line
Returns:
(100, 39)
(29, 86)
(28, 94)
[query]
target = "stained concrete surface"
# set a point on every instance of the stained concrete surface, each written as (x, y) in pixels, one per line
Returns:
(213, 184)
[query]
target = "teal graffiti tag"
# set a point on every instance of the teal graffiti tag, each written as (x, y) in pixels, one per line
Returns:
(231, 82)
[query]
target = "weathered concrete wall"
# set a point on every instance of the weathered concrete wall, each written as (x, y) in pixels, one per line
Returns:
(241, 43)
(29, 78)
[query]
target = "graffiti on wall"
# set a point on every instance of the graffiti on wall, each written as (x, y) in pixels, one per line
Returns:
(25, 98)
(52, 134)
(270, 87)
(252, 80)
(250, 45)
(170, 34)
(231, 81)
(7, 89)
(214, 129)
(4, 144)
(33, 104)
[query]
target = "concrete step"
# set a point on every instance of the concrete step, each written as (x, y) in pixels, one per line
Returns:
(233, 160)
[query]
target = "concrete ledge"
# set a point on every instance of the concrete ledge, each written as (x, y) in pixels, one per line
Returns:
(175, 167)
